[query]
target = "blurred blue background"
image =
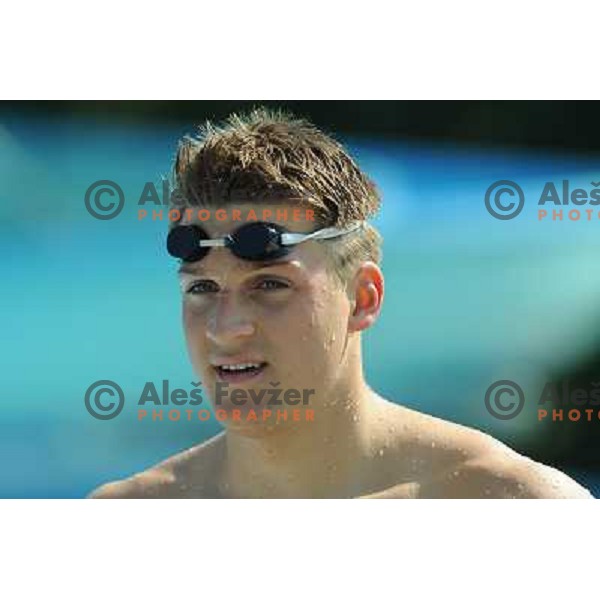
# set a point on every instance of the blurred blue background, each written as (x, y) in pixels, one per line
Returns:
(469, 299)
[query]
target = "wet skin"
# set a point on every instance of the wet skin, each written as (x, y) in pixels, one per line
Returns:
(296, 320)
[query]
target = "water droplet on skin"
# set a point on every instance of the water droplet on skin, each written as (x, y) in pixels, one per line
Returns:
(380, 453)
(355, 418)
(432, 445)
(508, 493)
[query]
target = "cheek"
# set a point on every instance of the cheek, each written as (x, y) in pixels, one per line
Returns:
(321, 324)
(190, 321)
(195, 334)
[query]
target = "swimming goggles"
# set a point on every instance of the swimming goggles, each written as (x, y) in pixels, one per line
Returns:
(258, 241)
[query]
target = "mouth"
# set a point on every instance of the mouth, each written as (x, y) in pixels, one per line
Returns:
(241, 372)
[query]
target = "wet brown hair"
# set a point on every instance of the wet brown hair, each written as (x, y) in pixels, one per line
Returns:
(269, 155)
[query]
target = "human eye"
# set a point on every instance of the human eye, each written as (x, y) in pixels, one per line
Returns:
(199, 287)
(271, 284)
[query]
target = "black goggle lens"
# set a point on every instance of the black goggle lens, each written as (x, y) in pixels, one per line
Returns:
(183, 242)
(254, 241)
(257, 241)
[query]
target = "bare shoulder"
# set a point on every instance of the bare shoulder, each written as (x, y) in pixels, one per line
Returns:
(185, 475)
(437, 458)
(491, 469)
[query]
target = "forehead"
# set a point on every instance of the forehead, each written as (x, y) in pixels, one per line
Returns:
(304, 262)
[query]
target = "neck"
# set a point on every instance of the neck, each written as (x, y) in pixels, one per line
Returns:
(321, 458)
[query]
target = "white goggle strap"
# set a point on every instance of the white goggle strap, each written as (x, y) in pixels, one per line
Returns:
(290, 239)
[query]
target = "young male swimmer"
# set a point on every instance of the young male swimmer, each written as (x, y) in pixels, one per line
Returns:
(264, 308)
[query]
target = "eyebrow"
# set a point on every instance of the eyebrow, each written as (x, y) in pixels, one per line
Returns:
(196, 269)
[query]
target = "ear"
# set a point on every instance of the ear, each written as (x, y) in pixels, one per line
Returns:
(366, 295)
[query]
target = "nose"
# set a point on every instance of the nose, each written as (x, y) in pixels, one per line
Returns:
(230, 319)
